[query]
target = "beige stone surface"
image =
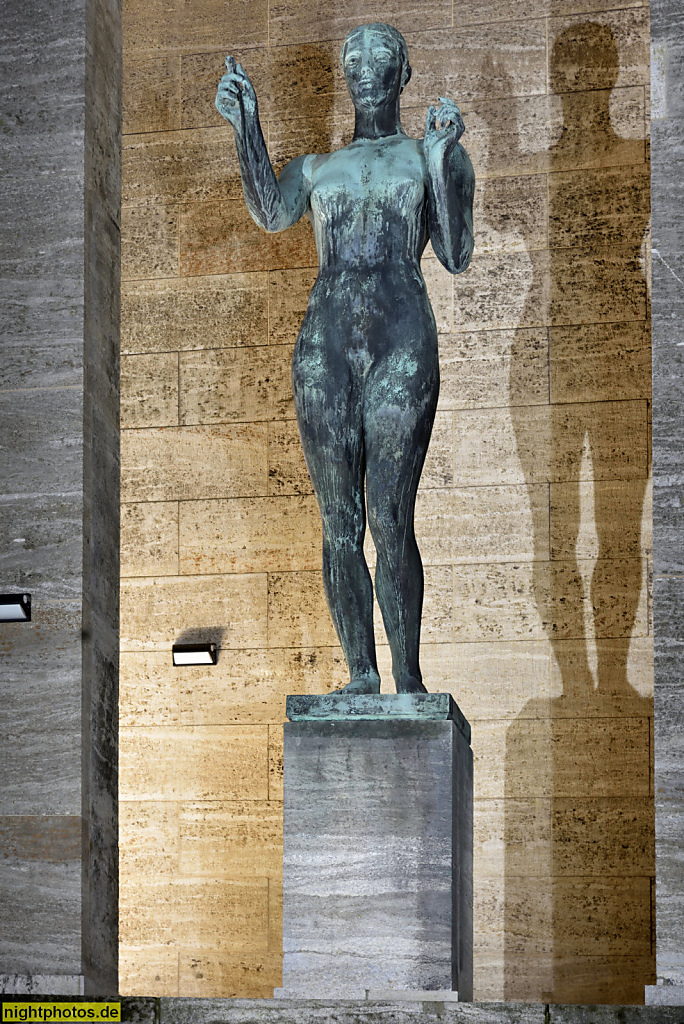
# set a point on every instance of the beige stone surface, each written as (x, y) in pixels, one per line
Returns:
(173, 26)
(287, 472)
(287, 79)
(209, 762)
(151, 95)
(588, 980)
(176, 314)
(275, 762)
(483, 60)
(440, 289)
(149, 241)
(630, 32)
(598, 917)
(241, 838)
(149, 538)
(228, 610)
(180, 166)
(195, 913)
(520, 134)
(250, 535)
(222, 238)
(600, 362)
(495, 369)
(148, 971)
(602, 979)
(537, 443)
(149, 390)
(236, 385)
(600, 837)
(475, 524)
(230, 976)
(544, 287)
(621, 691)
(511, 213)
(287, 298)
(148, 689)
(622, 519)
(251, 685)
(489, 680)
(563, 757)
(305, 20)
(297, 611)
(194, 461)
(610, 206)
(148, 838)
(438, 470)
(525, 601)
(275, 914)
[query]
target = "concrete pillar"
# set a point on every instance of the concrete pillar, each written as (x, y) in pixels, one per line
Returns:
(667, 182)
(60, 95)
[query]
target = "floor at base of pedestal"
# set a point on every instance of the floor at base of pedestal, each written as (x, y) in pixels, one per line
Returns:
(664, 995)
(42, 984)
(383, 995)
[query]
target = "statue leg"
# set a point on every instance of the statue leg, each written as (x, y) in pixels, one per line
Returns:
(328, 405)
(399, 410)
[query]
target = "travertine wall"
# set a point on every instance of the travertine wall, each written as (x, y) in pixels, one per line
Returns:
(533, 516)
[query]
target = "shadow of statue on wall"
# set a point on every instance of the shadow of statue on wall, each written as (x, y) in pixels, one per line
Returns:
(578, 828)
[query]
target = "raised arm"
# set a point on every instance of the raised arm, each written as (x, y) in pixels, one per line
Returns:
(450, 187)
(274, 203)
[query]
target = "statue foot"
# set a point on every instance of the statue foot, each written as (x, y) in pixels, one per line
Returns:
(408, 684)
(363, 684)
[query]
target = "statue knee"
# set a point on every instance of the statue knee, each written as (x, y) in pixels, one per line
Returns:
(343, 526)
(385, 527)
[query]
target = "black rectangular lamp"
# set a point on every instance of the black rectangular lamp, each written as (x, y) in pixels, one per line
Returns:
(194, 654)
(15, 607)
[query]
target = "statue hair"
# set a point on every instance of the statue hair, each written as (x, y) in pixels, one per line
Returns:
(394, 34)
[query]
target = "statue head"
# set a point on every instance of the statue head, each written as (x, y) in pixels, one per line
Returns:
(375, 64)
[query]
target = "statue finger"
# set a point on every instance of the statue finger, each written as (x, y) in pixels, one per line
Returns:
(431, 119)
(230, 64)
(229, 88)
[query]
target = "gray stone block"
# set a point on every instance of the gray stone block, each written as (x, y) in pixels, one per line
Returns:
(42, 551)
(42, 446)
(41, 984)
(612, 1015)
(377, 858)
(666, 995)
(41, 916)
(301, 1011)
(340, 1011)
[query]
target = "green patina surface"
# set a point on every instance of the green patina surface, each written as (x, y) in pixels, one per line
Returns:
(343, 706)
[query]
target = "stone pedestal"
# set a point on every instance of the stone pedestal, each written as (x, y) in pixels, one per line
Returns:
(378, 846)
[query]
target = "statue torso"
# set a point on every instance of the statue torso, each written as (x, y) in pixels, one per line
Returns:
(368, 204)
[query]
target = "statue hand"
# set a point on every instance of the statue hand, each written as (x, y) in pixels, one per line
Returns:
(236, 99)
(451, 124)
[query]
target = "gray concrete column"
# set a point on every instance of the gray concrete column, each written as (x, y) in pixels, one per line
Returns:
(667, 181)
(60, 108)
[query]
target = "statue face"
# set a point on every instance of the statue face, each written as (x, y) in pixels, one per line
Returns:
(372, 68)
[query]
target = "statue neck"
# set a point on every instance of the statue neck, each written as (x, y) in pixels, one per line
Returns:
(377, 122)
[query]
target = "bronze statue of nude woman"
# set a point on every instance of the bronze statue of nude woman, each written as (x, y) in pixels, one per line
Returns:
(365, 369)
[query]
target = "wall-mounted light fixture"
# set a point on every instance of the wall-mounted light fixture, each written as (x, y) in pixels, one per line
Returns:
(194, 654)
(15, 607)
